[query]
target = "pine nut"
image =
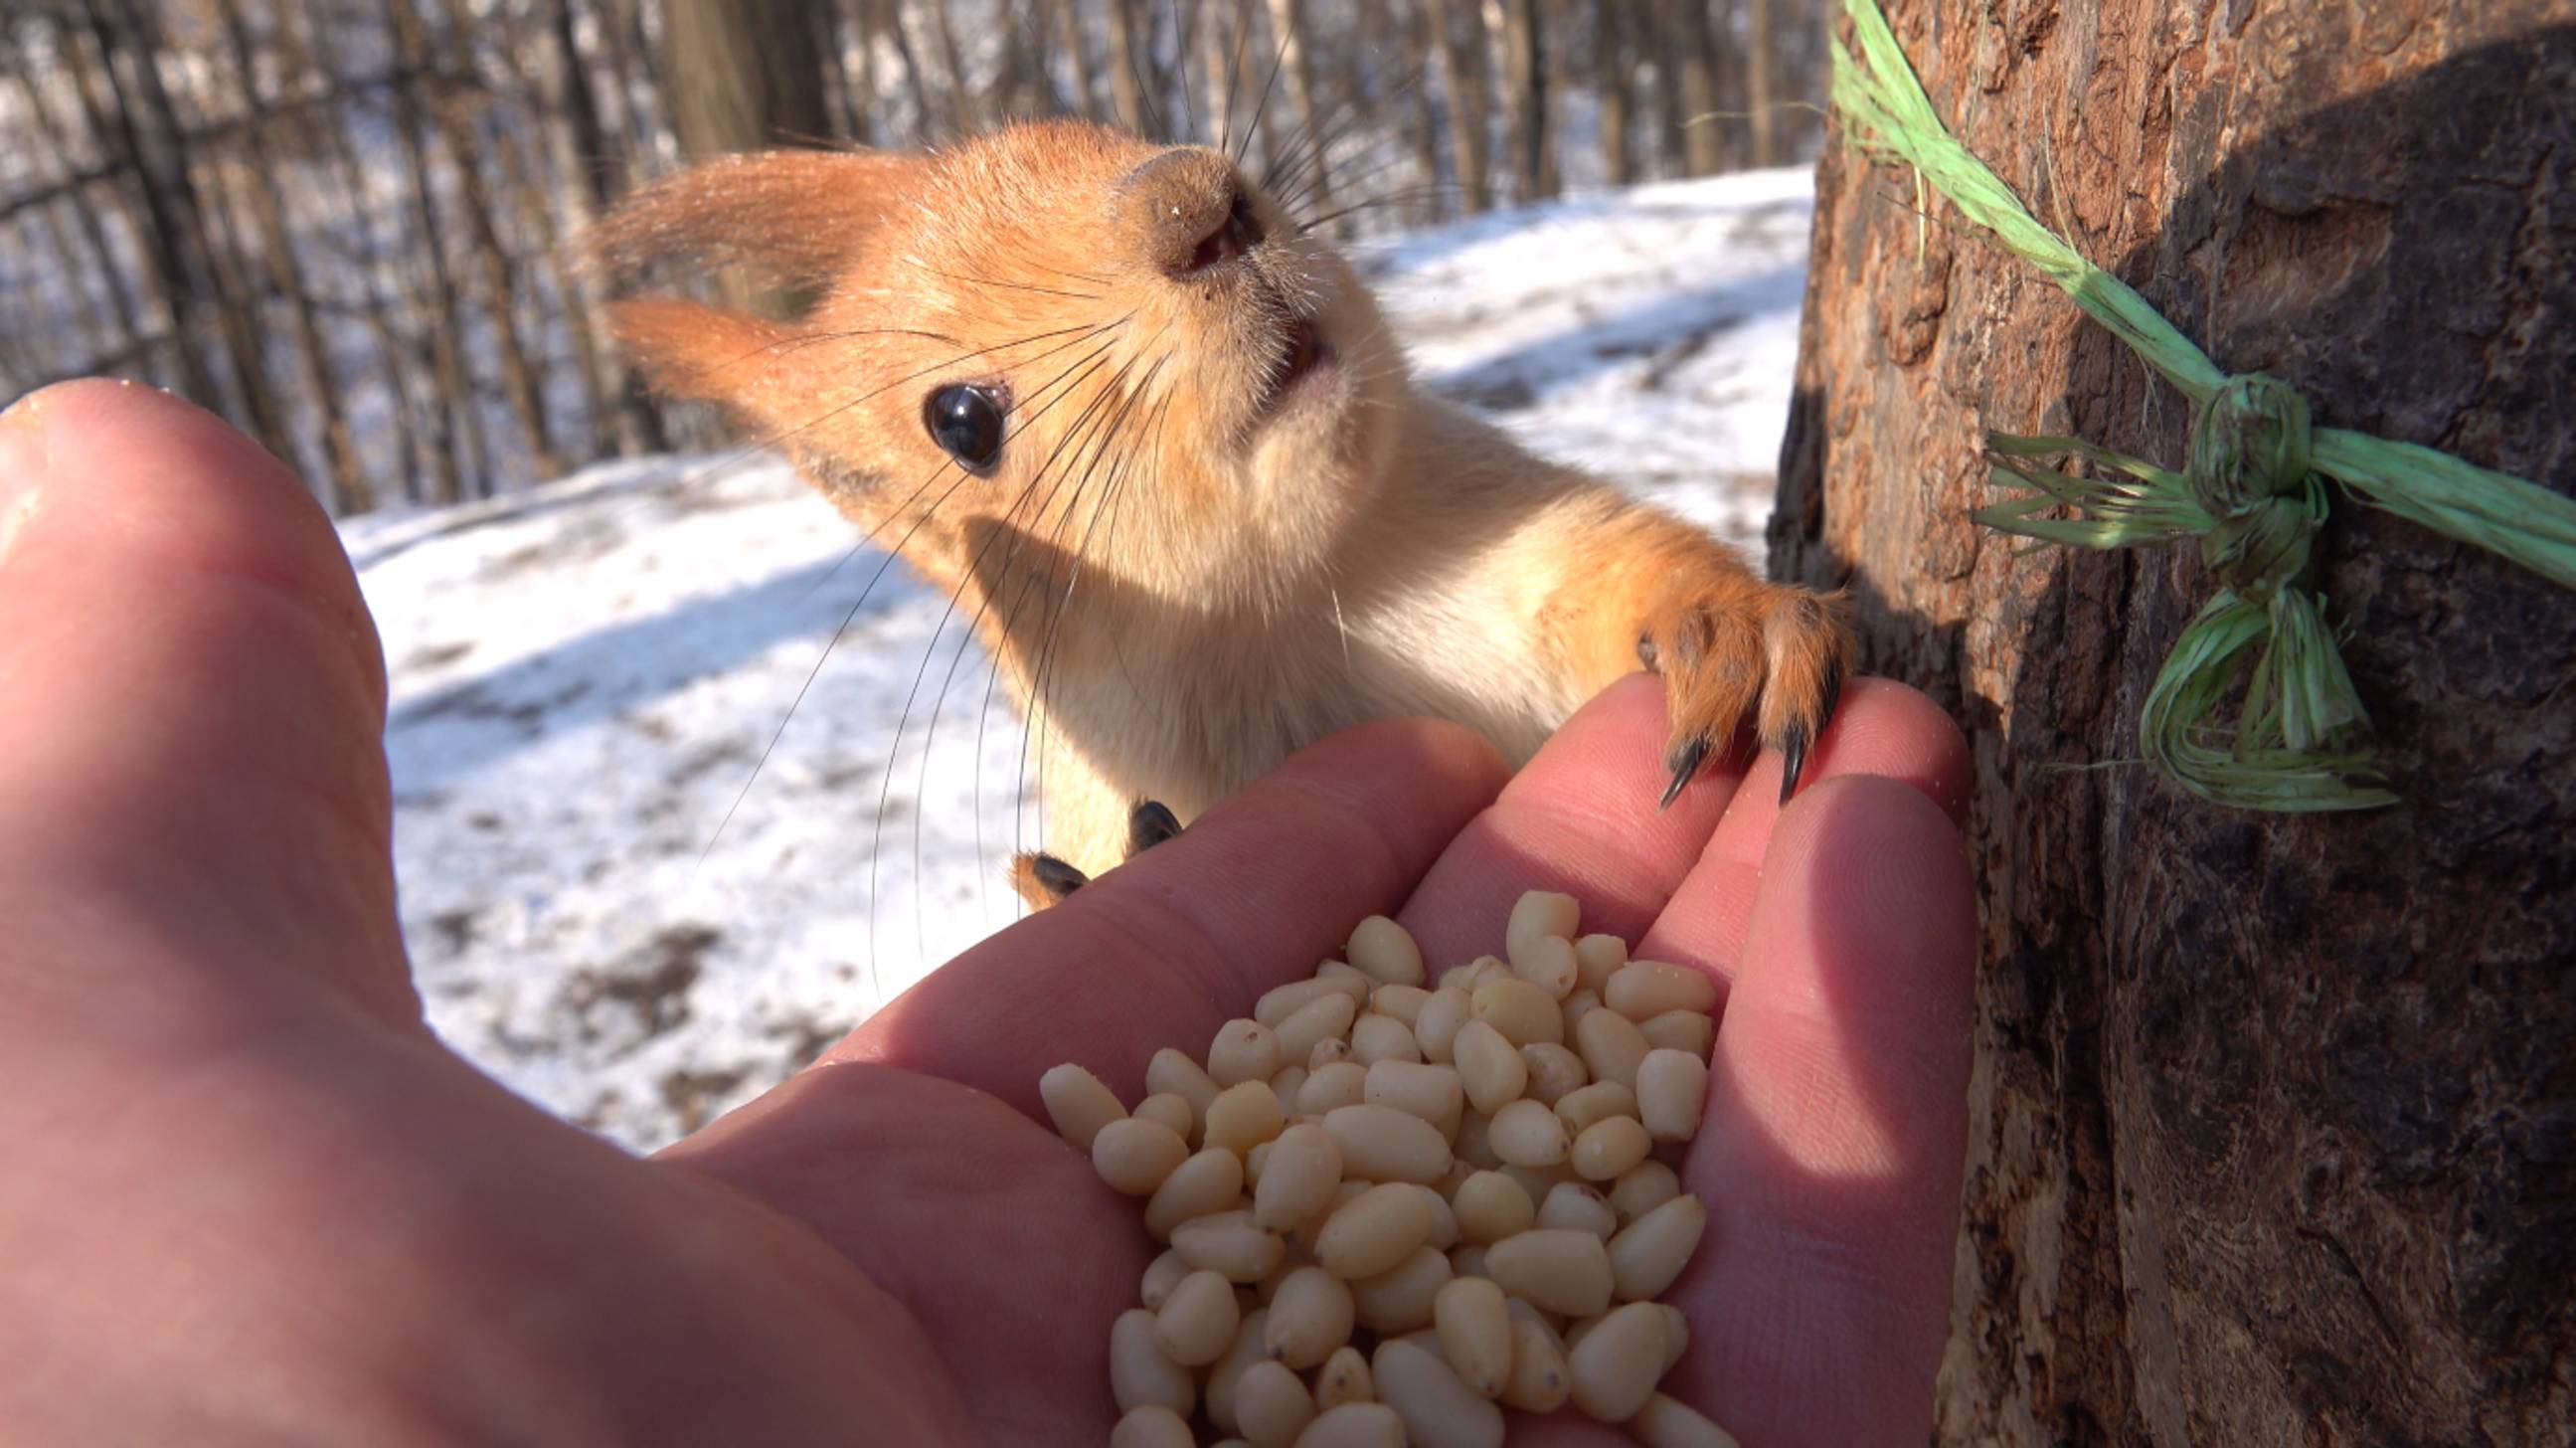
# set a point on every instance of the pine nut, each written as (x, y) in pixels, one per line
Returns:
(1650, 1252)
(1648, 1185)
(1243, 1050)
(1380, 1143)
(1171, 1109)
(1285, 1086)
(1643, 988)
(1344, 1378)
(1540, 913)
(1078, 1104)
(1354, 1425)
(1228, 1243)
(1326, 1018)
(1691, 1031)
(1376, 1038)
(1609, 1147)
(1548, 963)
(1572, 1204)
(1472, 1146)
(1553, 1071)
(1580, 1109)
(1538, 1382)
(1205, 1183)
(1518, 1009)
(1385, 950)
(1403, 1002)
(1399, 1299)
(1672, 1088)
(1575, 1004)
(1599, 957)
(1491, 1206)
(1229, 1369)
(1135, 1155)
(1243, 1116)
(1373, 1232)
(1299, 1177)
(1668, 1423)
(1475, 1332)
(1616, 1364)
(1489, 1066)
(1556, 1269)
(1175, 1072)
(1271, 1405)
(1281, 1002)
(1198, 1321)
(1610, 1046)
(1328, 1087)
(1162, 1275)
(1433, 1093)
(1526, 1133)
(1436, 1023)
(1309, 1317)
(1439, 1410)
(1139, 1372)
(1151, 1426)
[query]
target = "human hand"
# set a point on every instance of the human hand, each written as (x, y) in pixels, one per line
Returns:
(251, 1198)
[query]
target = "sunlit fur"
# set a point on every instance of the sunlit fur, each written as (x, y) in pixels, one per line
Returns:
(1181, 583)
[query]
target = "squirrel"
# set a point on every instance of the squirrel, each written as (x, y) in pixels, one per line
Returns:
(1155, 435)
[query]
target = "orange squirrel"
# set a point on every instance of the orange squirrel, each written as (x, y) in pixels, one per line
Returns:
(1155, 435)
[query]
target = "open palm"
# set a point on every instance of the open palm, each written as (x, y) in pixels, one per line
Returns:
(250, 1198)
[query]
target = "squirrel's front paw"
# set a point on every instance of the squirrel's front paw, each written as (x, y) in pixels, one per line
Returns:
(1780, 646)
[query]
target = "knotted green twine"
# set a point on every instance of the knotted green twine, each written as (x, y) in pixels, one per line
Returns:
(2253, 494)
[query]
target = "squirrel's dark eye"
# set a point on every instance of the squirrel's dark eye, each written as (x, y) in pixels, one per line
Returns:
(966, 421)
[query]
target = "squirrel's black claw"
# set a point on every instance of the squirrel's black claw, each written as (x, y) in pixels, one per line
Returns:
(1685, 760)
(1148, 825)
(1055, 876)
(1793, 758)
(1793, 749)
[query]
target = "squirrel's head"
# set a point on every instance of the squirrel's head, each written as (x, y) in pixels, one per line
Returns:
(1042, 328)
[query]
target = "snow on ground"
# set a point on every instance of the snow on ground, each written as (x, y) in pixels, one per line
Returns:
(586, 675)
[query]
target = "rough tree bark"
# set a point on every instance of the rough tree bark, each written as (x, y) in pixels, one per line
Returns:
(1462, 82)
(1127, 66)
(2273, 1127)
(1611, 77)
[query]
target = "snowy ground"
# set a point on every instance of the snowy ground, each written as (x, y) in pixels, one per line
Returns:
(584, 676)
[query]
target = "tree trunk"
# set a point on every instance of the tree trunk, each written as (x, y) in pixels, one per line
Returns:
(1462, 75)
(1127, 67)
(1610, 78)
(1761, 83)
(743, 76)
(1525, 79)
(348, 488)
(1690, 52)
(2273, 1126)
(1068, 27)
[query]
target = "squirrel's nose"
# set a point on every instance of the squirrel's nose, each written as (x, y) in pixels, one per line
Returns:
(1190, 211)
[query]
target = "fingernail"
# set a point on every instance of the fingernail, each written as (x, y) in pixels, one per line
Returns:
(24, 462)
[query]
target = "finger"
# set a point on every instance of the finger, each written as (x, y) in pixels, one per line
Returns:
(190, 702)
(1830, 1158)
(928, 1188)
(1167, 947)
(1582, 818)
(1882, 729)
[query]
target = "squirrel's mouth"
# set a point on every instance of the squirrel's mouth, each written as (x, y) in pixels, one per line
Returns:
(1306, 352)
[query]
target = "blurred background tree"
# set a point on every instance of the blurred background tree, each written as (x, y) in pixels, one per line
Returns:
(344, 224)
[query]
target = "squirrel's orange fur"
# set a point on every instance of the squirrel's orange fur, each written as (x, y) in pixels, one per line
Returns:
(1186, 569)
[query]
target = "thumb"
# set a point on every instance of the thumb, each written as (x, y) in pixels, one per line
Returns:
(194, 814)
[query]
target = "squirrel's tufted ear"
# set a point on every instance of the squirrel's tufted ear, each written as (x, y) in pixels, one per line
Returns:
(790, 219)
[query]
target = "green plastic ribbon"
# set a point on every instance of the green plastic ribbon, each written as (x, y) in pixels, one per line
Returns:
(2253, 495)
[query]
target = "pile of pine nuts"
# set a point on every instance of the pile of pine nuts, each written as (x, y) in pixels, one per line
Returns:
(1392, 1210)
